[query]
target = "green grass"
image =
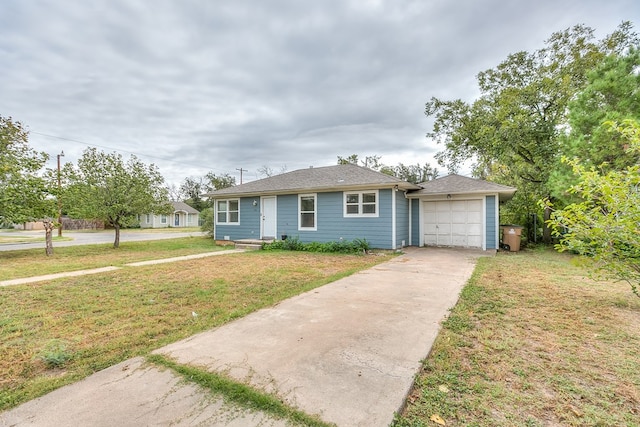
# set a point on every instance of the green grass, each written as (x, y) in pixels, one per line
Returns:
(106, 318)
(33, 262)
(238, 393)
(533, 342)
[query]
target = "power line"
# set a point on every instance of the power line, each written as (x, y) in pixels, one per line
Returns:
(241, 170)
(121, 150)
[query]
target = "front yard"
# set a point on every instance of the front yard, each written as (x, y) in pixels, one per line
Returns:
(533, 342)
(54, 333)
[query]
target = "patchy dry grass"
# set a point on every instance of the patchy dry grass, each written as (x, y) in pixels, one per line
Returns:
(33, 262)
(533, 342)
(97, 321)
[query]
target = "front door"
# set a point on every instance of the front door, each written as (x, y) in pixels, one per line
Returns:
(177, 220)
(269, 224)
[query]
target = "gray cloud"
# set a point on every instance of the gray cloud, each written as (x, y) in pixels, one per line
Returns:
(195, 86)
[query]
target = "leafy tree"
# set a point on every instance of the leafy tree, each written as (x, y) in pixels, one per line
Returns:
(24, 193)
(207, 218)
(371, 162)
(512, 131)
(603, 226)
(191, 190)
(212, 182)
(611, 95)
(410, 173)
(218, 182)
(104, 187)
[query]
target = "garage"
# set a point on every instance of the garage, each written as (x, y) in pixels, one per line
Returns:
(457, 211)
(453, 223)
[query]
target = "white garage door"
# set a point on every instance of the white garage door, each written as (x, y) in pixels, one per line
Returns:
(453, 223)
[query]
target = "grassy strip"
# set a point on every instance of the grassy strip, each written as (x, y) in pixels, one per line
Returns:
(532, 342)
(33, 262)
(57, 332)
(239, 393)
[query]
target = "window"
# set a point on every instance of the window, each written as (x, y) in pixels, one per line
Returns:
(307, 207)
(163, 219)
(228, 211)
(361, 203)
(148, 218)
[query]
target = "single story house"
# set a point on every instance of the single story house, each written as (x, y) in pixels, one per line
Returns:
(352, 202)
(183, 216)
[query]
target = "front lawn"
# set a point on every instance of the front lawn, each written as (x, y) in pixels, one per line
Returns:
(533, 342)
(33, 262)
(54, 333)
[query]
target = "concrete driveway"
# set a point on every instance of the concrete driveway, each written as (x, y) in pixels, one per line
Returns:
(347, 351)
(89, 237)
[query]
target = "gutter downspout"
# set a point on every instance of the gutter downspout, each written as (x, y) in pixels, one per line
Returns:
(393, 218)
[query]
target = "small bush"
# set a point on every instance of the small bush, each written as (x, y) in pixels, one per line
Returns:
(343, 246)
(55, 354)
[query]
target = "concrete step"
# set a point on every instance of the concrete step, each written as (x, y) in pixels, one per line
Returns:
(249, 246)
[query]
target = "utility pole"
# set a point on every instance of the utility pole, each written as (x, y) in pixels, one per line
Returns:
(241, 170)
(59, 194)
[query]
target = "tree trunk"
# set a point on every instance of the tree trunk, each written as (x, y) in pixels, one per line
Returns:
(116, 243)
(48, 228)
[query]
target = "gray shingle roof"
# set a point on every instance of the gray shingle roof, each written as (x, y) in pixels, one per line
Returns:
(183, 207)
(325, 178)
(458, 184)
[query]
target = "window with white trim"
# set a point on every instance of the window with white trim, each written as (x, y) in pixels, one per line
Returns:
(163, 219)
(228, 211)
(307, 204)
(361, 203)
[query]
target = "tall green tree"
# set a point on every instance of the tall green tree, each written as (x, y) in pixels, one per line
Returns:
(105, 187)
(612, 94)
(411, 173)
(213, 182)
(191, 190)
(512, 130)
(218, 182)
(603, 224)
(23, 191)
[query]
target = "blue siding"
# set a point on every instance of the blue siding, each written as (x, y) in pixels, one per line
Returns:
(415, 222)
(490, 225)
(330, 221)
(402, 219)
(332, 225)
(249, 227)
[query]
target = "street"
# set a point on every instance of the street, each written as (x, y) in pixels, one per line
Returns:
(89, 237)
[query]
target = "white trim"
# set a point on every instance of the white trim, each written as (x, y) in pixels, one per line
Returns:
(215, 211)
(497, 216)
(394, 193)
(315, 212)
(410, 221)
(421, 222)
(360, 204)
(275, 216)
(484, 224)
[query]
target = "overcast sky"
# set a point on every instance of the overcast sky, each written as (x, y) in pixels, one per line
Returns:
(204, 85)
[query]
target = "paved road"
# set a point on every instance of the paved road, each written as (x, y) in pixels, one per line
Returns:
(90, 238)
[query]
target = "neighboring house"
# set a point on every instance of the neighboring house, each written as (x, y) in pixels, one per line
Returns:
(183, 216)
(352, 202)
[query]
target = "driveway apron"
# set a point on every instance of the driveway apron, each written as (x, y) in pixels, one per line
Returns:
(347, 351)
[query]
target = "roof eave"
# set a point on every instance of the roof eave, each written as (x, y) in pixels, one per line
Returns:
(301, 190)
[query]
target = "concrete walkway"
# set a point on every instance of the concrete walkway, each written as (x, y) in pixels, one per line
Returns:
(347, 351)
